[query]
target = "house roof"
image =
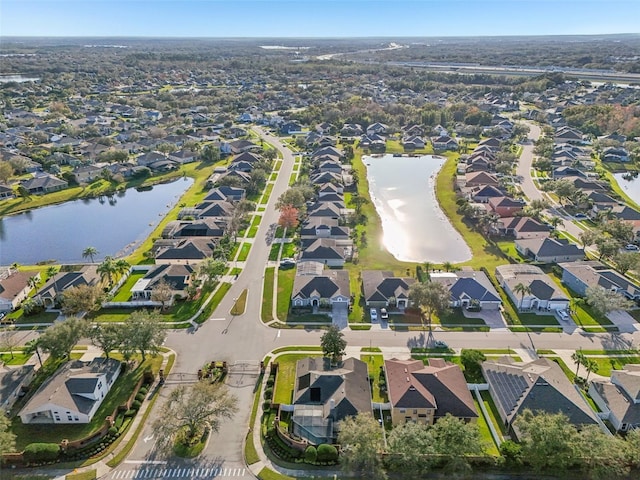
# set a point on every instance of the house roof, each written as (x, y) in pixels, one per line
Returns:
(72, 379)
(323, 248)
(481, 178)
(523, 224)
(346, 387)
(192, 248)
(44, 182)
(380, 286)
(542, 287)
(330, 284)
(617, 401)
(11, 379)
(550, 247)
(15, 283)
(539, 385)
(87, 275)
(473, 285)
(593, 273)
(177, 276)
(440, 385)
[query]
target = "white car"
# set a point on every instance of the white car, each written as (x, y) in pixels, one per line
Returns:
(384, 314)
(631, 247)
(563, 315)
(373, 314)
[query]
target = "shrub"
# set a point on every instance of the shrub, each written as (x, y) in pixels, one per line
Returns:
(140, 397)
(143, 391)
(130, 413)
(266, 405)
(270, 381)
(41, 452)
(113, 430)
(310, 454)
(327, 453)
(268, 393)
(135, 405)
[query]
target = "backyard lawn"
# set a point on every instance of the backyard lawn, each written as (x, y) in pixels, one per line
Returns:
(374, 365)
(286, 377)
(492, 448)
(124, 292)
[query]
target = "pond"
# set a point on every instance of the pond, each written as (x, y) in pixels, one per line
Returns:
(415, 228)
(114, 225)
(630, 185)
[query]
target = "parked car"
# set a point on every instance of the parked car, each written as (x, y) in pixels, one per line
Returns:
(580, 215)
(287, 262)
(384, 314)
(563, 314)
(373, 314)
(632, 247)
(440, 344)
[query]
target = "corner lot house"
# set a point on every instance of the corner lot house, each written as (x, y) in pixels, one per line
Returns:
(540, 385)
(14, 288)
(619, 397)
(423, 394)
(324, 395)
(544, 293)
(73, 394)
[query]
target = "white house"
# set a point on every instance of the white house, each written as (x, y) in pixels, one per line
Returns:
(619, 397)
(14, 288)
(73, 394)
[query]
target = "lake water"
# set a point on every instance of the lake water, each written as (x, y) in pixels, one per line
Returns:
(415, 228)
(113, 225)
(630, 187)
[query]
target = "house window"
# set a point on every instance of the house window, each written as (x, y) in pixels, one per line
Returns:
(76, 419)
(402, 410)
(70, 418)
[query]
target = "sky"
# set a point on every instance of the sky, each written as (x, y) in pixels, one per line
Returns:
(316, 18)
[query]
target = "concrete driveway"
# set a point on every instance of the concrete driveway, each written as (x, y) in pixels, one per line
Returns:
(624, 321)
(340, 315)
(493, 318)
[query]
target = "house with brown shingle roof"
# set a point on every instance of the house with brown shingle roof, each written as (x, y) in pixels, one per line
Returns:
(14, 288)
(423, 394)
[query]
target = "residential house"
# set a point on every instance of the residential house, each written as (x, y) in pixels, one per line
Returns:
(13, 384)
(484, 193)
(239, 146)
(204, 227)
(469, 287)
(615, 154)
(44, 183)
(216, 208)
(539, 386)
(326, 250)
(522, 227)
(373, 142)
(569, 135)
(183, 156)
(351, 130)
(325, 290)
(6, 192)
(377, 129)
(86, 173)
(492, 143)
(290, 128)
(15, 288)
(424, 394)
(178, 277)
(444, 142)
(324, 395)
(72, 394)
(149, 158)
(324, 227)
(226, 194)
(325, 177)
(189, 251)
(549, 250)
(476, 179)
(50, 292)
(381, 289)
(619, 397)
(413, 142)
(506, 206)
(544, 293)
(579, 276)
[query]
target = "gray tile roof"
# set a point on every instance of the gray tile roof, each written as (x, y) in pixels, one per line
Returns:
(379, 285)
(328, 285)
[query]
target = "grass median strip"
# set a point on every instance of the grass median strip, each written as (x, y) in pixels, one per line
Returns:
(267, 295)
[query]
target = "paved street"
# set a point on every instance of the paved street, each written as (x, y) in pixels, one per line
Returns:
(168, 471)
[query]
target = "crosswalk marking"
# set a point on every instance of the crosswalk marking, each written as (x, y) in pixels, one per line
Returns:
(171, 473)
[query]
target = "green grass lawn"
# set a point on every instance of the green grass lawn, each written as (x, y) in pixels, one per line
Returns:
(267, 295)
(288, 250)
(455, 317)
(244, 252)
(43, 317)
(124, 292)
(240, 305)
(285, 288)
(267, 193)
(283, 392)
(273, 253)
(483, 428)
(605, 365)
(120, 391)
(493, 413)
(255, 223)
(215, 301)
(19, 358)
(374, 364)
(293, 178)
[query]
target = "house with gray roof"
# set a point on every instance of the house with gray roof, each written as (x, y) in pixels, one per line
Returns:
(44, 183)
(540, 386)
(543, 294)
(579, 276)
(324, 395)
(469, 287)
(73, 394)
(522, 227)
(324, 290)
(178, 277)
(549, 250)
(423, 394)
(51, 291)
(189, 251)
(382, 289)
(6, 192)
(619, 397)
(14, 382)
(326, 250)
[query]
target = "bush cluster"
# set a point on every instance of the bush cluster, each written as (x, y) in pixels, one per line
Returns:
(41, 452)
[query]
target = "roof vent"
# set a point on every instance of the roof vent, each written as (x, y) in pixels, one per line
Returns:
(405, 370)
(408, 379)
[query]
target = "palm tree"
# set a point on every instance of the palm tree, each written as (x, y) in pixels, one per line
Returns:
(555, 221)
(591, 366)
(33, 283)
(33, 347)
(523, 290)
(106, 269)
(579, 359)
(51, 271)
(427, 268)
(121, 267)
(89, 252)
(447, 266)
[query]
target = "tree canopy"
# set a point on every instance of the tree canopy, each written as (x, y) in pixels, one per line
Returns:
(333, 344)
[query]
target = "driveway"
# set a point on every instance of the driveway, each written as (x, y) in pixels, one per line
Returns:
(624, 321)
(493, 318)
(340, 315)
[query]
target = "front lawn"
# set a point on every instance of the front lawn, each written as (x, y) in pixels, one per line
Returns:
(285, 288)
(267, 295)
(606, 365)
(42, 317)
(19, 358)
(244, 252)
(286, 377)
(255, 223)
(288, 250)
(118, 394)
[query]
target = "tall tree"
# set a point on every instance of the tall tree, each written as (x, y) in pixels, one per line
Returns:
(83, 298)
(288, 217)
(360, 437)
(33, 283)
(591, 366)
(33, 346)
(333, 344)
(60, 338)
(579, 359)
(455, 440)
(472, 359)
(107, 336)
(411, 450)
(144, 332)
(548, 441)
(212, 269)
(603, 456)
(6, 171)
(162, 292)
(189, 410)
(89, 253)
(626, 261)
(9, 339)
(522, 290)
(51, 271)
(430, 297)
(107, 269)
(604, 301)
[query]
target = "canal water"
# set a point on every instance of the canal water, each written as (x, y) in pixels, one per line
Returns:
(113, 225)
(415, 227)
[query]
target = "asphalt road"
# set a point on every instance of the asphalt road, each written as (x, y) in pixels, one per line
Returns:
(243, 341)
